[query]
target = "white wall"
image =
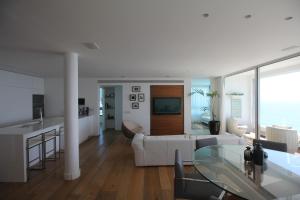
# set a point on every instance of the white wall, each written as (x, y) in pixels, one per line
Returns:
(16, 92)
(54, 97)
(142, 115)
(89, 89)
(118, 107)
(240, 83)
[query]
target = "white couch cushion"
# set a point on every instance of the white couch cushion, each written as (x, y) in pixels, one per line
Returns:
(160, 150)
(185, 146)
(235, 128)
(156, 151)
(288, 136)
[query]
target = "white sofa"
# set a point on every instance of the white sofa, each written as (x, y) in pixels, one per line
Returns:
(159, 150)
(284, 135)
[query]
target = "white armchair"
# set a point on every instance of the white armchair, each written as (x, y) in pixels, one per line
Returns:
(235, 128)
(284, 135)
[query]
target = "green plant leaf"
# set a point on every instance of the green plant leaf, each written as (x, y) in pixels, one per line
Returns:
(196, 91)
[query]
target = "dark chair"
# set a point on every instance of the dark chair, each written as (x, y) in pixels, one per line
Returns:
(278, 146)
(189, 186)
(206, 142)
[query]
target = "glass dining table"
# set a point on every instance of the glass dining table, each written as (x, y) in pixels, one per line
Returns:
(224, 166)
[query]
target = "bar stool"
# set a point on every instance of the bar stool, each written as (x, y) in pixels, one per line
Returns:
(32, 142)
(61, 132)
(47, 137)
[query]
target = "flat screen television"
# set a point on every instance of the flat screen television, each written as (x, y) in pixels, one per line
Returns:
(81, 101)
(166, 105)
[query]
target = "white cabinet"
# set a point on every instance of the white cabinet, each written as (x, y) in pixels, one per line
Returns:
(85, 128)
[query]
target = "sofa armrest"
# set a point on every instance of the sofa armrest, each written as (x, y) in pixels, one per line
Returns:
(138, 142)
(138, 148)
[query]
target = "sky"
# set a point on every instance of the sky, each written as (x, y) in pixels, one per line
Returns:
(281, 88)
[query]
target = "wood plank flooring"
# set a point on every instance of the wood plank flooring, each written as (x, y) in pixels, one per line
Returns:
(107, 172)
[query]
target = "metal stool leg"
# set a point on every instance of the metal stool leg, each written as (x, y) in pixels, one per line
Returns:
(59, 144)
(52, 138)
(44, 151)
(27, 159)
(30, 144)
(54, 147)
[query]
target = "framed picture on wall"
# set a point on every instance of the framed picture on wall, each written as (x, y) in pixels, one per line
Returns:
(136, 88)
(141, 97)
(135, 105)
(132, 97)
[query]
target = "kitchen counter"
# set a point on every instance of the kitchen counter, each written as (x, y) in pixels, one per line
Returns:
(31, 127)
(13, 144)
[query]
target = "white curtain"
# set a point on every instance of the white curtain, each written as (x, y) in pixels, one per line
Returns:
(218, 85)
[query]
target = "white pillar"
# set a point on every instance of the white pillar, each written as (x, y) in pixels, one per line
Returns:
(187, 106)
(71, 150)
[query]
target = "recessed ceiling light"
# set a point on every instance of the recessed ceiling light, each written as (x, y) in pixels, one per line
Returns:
(247, 16)
(288, 18)
(91, 45)
(290, 48)
(205, 15)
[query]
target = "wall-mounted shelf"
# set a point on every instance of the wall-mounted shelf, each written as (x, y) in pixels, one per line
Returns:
(110, 96)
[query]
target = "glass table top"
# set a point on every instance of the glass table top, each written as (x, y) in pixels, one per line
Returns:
(223, 165)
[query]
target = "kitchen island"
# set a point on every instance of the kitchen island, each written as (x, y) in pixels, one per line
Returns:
(13, 144)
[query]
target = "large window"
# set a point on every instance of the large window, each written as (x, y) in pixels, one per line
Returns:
(279, 103)
(200, 104)
(275, 116)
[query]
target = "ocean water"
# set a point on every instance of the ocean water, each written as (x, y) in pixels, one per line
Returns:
(280, 113)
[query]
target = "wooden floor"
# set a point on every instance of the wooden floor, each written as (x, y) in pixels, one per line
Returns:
(107, 172)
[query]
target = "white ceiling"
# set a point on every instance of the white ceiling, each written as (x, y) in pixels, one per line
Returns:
(146, 38)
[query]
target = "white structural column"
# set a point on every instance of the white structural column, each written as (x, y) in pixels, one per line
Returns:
(71, 126)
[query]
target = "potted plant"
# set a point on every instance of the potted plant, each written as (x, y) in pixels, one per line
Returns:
(214, 125)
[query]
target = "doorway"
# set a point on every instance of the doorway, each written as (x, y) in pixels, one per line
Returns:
(110, 107)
